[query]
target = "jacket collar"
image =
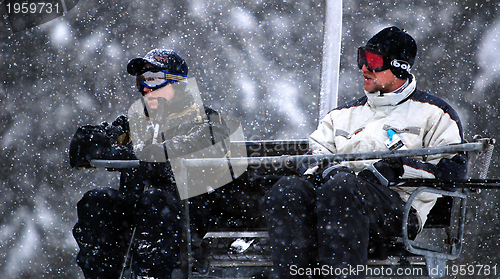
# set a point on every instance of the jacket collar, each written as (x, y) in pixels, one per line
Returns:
(377, 99)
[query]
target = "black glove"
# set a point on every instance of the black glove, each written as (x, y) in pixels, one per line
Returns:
(86, 144)
(322, 174)
(122, 122)
(384, 171)
(118, 152)
(154, 153)
(330, 171)
(119, 127)
(94, 142)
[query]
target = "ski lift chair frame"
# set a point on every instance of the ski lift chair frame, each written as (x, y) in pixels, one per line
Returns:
(454, 195)
(453, 200)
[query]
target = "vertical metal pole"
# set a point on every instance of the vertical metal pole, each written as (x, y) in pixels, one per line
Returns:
(330, 65)
(186, 230)
(186, 243)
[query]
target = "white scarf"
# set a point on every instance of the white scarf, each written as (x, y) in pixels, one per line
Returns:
(377, 99)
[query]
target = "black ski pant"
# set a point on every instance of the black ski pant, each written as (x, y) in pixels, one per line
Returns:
(106, 219)
(329, 225)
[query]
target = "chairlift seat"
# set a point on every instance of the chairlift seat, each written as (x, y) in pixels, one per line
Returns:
(441, 239)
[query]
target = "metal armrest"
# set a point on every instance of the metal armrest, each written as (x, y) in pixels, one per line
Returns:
(435, 257)
(115, 164)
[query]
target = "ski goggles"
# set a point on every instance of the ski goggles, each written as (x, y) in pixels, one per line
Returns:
(374, 60)
(154, 79)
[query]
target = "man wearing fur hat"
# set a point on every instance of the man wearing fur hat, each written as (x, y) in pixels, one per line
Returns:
(326, 215)
(142, 219)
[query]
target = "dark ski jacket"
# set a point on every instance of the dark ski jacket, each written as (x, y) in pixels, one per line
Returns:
(177, 128)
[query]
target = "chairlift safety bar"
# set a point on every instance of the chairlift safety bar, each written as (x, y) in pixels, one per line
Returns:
(294, 160)
(289, 161)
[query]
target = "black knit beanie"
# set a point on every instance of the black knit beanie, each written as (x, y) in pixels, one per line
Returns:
(399, 49)
(164, 59)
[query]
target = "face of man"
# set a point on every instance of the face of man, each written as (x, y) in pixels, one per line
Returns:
(383, 81)
(151, 95)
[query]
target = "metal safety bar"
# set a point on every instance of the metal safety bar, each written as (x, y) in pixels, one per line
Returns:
(288, 161)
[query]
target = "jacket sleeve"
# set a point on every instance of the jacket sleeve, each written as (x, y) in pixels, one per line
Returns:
(447, 168)
(200, 137)
(321, 141)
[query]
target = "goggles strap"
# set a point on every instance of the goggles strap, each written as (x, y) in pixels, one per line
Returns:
(401, 64)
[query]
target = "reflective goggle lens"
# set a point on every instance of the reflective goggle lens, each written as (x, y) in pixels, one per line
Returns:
(374, 61)
(154, 79)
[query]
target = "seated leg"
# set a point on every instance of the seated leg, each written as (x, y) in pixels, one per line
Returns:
(289, 211)
(350, 210)
(102, 233)
(158, 234)
(328, 224)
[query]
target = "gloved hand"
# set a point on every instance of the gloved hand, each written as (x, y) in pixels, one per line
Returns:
(322, 174)
(154, 153)
(88, 143)
(118, 152)
(95, 142)
(117, 128)
(122, 122)
(331, 170)
(385, 170)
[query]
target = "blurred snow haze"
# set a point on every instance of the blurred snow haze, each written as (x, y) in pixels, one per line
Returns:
(258, 61)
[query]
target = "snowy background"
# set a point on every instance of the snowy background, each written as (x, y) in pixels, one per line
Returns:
(257, 60)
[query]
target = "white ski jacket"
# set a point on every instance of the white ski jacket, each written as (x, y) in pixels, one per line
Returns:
(419, 119)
